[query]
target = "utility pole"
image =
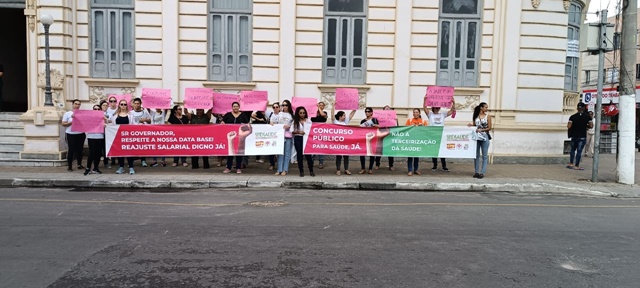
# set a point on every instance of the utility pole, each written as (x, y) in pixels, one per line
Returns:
(602, 48)
(627, 105)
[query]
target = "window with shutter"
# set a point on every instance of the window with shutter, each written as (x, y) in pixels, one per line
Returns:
(230, 41)
(344, 50)
(458, 43)
(112, 39)
(573, 34)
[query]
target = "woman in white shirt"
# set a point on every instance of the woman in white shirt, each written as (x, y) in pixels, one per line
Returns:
(75, 140)
(285, 118)
(436, 118)
(342, 119)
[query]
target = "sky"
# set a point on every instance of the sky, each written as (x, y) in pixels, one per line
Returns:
(597, 5)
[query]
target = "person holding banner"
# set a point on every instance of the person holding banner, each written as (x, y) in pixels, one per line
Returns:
(201, 118)
(258, 118)
(104, 106)
(321, 117)
(273, 115)
(412, 162)
(482, 121)
(113, 106)
(285, 118)
(140, 116)
(436, 118)
(369, 121)
(390, 158)
(342, 119)
(235, 117)
(75, 140)
(123, 117)
(300, 118)
(96, 148)
(177, 117)
(158, 117)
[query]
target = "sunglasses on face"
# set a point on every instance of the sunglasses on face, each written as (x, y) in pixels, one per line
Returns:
(123, 104)
(112, 101)
(276, 107)
(368, 111)
(302, 113)
(285, 105)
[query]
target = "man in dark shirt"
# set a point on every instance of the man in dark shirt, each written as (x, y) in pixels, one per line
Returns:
(578, 125)
(1, 84)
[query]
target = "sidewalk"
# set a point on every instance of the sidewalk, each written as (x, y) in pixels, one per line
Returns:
(499, 178)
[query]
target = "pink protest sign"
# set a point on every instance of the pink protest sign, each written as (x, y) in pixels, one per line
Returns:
(254, 100)
(439, 96)
(222, 102)
(121, 97)
(311, 104)
(88, 121)
(198, 98)
(386, 118)
(347, 99)
(156, 98)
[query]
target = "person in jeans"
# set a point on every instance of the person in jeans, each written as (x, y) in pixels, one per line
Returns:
(412, 162)
(285, 118)
(122, 116)
(578, 125)
(273, 115)
(482, 122)
(75, 140)
(96, 148)
(139, 115)
(158, 117)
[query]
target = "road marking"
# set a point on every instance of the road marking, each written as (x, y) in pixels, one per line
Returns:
(323, 204)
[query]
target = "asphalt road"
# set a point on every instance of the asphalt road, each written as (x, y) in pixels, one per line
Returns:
(62, 238)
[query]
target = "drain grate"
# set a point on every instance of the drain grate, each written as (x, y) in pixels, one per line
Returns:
(267, 204)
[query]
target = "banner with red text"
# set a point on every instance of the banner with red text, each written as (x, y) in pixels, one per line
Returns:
(193, 140)
(404, 141)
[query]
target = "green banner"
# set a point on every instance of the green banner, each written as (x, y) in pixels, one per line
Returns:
(411, 142)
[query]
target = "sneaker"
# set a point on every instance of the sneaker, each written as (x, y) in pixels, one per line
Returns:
(185, 164)
(239, 171)
(69, 169)
(155, 164)
(174, 164)
(445, 169)
(435, 168)
(120, 170)
(86, 172)
(96, 171)
(144, 164)
(226, 170)
(260, 161)
(131, 171)
(164, 164)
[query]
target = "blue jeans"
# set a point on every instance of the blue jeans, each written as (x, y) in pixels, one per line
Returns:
(577, 144)
(284, 159)
(484, 146)
(412, 164)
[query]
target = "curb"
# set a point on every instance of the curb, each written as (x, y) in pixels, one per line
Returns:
(509, 187)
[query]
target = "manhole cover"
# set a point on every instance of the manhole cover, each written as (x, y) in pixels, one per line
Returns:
(267, 204)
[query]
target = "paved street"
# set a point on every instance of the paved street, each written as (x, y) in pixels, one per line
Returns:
(209, 238)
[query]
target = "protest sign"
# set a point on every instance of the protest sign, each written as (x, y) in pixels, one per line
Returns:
(156, 98)
(386, 118)
(254, 100)
(198, 98)
(347, 99)
(311, 104)
(439, 96)
(88, 121)
(222, 102)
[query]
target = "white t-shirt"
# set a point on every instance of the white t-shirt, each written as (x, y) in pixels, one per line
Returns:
(68, 117)
(345, 122)
(110, 112)
(158, 118)
(436, 119)
(137, 115)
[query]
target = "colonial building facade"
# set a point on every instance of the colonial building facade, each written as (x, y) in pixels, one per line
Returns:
(511, 54)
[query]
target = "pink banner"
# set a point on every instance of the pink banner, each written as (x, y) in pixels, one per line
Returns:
(311, 104)
(222, 102)
(329, 139)
(386, 118)
(198, 98)
(439, 96)
(156, 98)
(254, 100)
(347, 99)
(88, 121)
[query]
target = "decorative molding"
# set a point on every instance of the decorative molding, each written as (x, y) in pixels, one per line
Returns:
(569, 102)
(96, 94)
(128, 90)
(331, 88)
(535, 3)
(470, 102)
(30, 12)
(57, 80)
(566, 3)
(117, 83)
(239, 86)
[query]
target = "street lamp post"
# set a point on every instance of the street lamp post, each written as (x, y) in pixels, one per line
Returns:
(46, 21)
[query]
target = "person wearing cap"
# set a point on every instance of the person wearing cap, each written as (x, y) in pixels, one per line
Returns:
(578, 125)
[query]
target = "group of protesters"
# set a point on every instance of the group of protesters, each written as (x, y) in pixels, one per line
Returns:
(117, 112)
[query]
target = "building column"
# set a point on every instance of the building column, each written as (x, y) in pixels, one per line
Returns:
(287, 58)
